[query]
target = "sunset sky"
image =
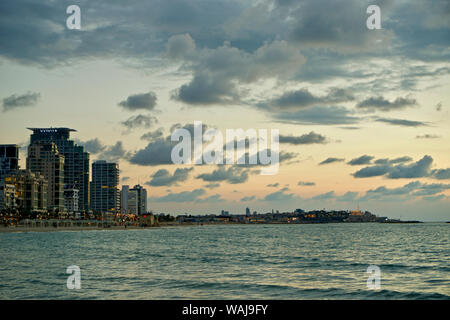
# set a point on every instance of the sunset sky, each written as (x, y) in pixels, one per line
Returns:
(363, 114)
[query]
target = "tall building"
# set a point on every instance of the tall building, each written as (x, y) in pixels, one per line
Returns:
(30, 191)
(105, 194)
(76, 165)
(44, 158)
(137, 200)
(9, 159)
(124, 199)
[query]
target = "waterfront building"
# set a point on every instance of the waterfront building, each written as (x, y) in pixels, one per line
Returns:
(76, 164)
(44, 158)
(9, 159)
(7, 196)
(247, 211)
(105, 194)
(71, 199)
(124, 199)
(30, 191)
(137, 200)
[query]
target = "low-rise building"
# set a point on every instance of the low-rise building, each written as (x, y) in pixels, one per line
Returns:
(7, 196)
(30, 191)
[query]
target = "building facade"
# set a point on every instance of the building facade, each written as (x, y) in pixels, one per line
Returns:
(137, 200)
(9, 159)
(30, 191)
(76, 165)
(71, 199)
(44, 158)
(124, 199)
(105, 194)
(7, 196)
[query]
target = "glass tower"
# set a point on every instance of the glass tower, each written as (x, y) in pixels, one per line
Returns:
(76, 164)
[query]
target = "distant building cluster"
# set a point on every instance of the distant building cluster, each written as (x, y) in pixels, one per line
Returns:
(297, 216)
(56, 180)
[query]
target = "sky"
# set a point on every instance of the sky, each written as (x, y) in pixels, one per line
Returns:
(363, 115)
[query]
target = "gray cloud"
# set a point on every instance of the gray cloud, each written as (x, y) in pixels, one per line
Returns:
(232, 175)
(211, 199)
(415, 189)
(306, 183)
(140, 121)
(412, 189)
(342, 31)
(402, 122)
(114, 152)
(217, 72)
(374, 171)
(318, 116)
(184, 196)
(324, 196)
(310, 138)
(280, 195)
(365, 159)
(428, 136)
(93, 146)
(419, 169)
(162, 177)
(331, 160)
(212, 185)
(17, 101)
(248, 199)
(415, 170)
(157, 152)
(273, 185)
(441, 174)
(153, 135)
(380, 103)
(35, 33)
(180, 46)
(295, 100)
(144, 101)
(348, 197)
(393, 161)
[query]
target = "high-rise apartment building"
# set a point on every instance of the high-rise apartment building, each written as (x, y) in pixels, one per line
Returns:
(105, 193)
(124, 199)
(44, 158)
(76, 165)
(134, 200)
(137, 200)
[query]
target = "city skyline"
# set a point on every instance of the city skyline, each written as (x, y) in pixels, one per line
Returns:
(363, 114)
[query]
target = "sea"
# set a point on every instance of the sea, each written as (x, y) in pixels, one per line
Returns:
(267, 261)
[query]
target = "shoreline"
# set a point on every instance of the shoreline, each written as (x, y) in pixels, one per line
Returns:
(24, 229)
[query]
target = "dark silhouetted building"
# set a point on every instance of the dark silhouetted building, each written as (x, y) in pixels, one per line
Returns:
(105, 193)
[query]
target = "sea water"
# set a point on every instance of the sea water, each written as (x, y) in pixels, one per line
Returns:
(303, 261)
